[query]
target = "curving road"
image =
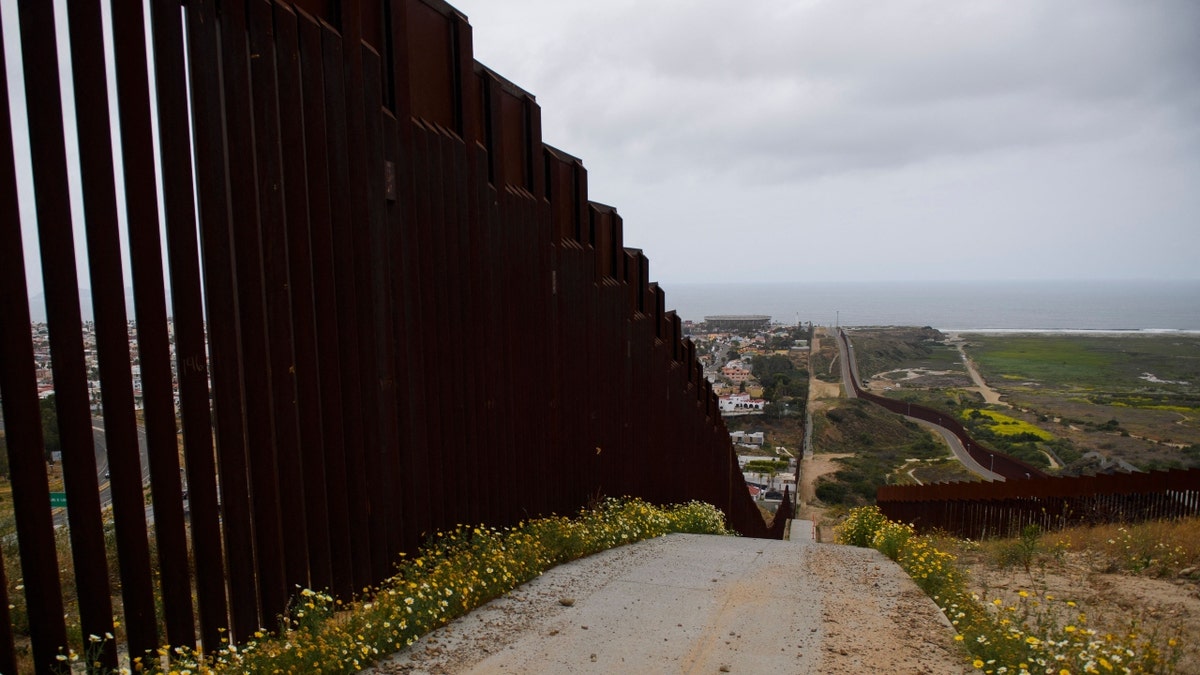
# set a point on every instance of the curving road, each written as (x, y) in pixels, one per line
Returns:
(850, 370)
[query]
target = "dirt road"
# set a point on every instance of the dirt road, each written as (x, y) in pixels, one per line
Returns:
(989, 395)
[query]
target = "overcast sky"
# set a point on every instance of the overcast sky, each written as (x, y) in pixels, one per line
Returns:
(825, 140)
(840, 139)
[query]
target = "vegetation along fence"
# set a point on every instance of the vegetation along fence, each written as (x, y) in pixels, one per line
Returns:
(1007, 466)
(394, 310)
(979, 510)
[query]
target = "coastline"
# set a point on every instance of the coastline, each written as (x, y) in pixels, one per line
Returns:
(1110, 306)
(1132, 332)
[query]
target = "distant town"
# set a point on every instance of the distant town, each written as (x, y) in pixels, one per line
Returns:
(45, 374)
(756, 368)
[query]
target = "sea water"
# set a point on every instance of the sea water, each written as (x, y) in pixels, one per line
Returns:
(954, 305)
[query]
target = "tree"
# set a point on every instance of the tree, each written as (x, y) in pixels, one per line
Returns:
(772, 364)
(770, 467)
(50, 426)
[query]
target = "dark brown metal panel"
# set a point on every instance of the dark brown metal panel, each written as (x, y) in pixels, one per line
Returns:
(326, 309)
(525, 326)
(60, 283)
(487, 454)
(500, 392)
(359, 468)
(190, 353)
(303, 314)
(470, 114)
(431, 65)
(133, 100)
(394, 463)
(406, 313)
(511, 139)
(219, 293)
(449, 257)
(378, 379)
(112, 336)
(246, 196)
(338, 129)
(428, 223)
(475, 385)
(399, 67)
(288, 474)
(425, 508)
(459, 245)
(560, 191)
(607, 229)
(548, 404)
(23, 432)
(371, 22)
(327, 10)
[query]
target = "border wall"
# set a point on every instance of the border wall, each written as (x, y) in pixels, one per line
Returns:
(395, 309)
(1003, 509)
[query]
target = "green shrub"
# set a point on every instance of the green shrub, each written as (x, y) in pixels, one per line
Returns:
(860, 526)
(892, 538)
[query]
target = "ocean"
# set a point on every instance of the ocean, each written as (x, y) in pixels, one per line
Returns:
(1149, 306)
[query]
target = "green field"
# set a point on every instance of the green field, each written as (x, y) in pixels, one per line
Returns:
(1075, 403)
(1133, 398)
(1085, 363)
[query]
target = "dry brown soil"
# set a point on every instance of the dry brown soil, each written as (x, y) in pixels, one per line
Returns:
(1112, 602)
(807, 508)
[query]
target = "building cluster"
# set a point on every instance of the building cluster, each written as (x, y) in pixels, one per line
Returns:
(740, 403)
(45, 373)
(753, 439)
(727, 347)
(768, 486)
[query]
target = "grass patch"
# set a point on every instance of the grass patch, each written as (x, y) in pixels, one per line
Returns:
(1115, 364)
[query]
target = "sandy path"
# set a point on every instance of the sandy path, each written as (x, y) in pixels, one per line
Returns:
(989, 395)
(819, 390)
(811, 469)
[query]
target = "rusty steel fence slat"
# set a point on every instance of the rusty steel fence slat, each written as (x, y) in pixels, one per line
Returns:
(394, 310)
(61, 288)
(1001, 509)
(23, 433)
(153, 342)
(220, 304)
(191, 357)
(309, 480)
(111, 330)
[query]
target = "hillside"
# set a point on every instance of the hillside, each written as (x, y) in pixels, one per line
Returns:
(877, 444)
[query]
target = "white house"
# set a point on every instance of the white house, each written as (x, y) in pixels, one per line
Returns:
(740, 403)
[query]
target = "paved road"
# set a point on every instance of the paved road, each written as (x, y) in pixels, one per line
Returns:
(701, 604)
(100, 446)
(850, 370)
